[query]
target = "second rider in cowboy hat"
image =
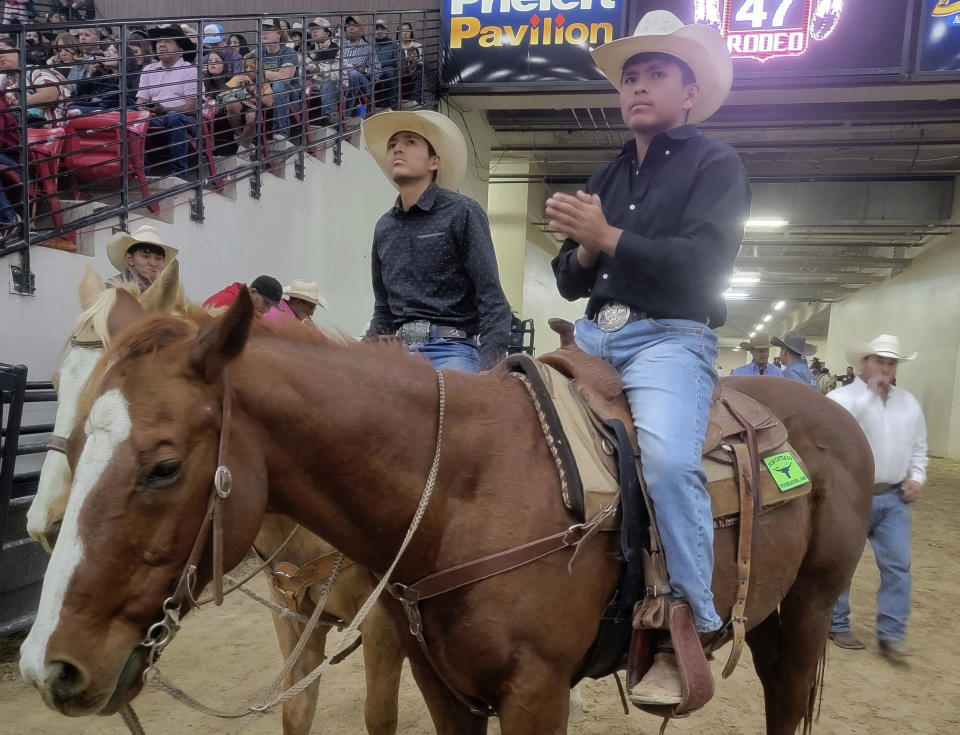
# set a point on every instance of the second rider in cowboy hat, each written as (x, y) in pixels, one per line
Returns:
(651, 244)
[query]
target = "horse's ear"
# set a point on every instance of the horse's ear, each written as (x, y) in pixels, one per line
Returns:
(126, 311)
(224, 338)
(163, 294)
(91, 285)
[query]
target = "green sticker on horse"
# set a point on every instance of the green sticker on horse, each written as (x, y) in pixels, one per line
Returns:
(786, 471)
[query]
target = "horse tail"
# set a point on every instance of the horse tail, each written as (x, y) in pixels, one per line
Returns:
(815, 701)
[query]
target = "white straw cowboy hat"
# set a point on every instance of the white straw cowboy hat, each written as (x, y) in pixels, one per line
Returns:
(757, 342)
(886, 345)
(698, 46)
(305, 291)
(795, 342)
(439, 130)
(121, 242)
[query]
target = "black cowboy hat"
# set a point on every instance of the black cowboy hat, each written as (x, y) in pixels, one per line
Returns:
(174, 33)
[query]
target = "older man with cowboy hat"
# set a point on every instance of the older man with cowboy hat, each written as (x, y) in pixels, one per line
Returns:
(892, 421)
(759, 348)
(139, 256)
(435, 279)
(303, 298)
(794, 351)
(651, 243)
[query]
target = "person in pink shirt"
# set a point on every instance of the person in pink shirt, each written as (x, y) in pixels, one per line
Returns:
(169, 88)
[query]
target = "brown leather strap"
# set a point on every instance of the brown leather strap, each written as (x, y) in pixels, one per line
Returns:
(57, 444)
(748, 483)
(89, 344)
(489, 566)
(223, 484)
(750, 435)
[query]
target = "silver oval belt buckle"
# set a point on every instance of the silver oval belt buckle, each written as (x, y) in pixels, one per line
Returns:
(612, 316)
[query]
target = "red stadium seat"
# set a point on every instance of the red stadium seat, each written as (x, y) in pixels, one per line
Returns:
(45, 149)
(92, 150)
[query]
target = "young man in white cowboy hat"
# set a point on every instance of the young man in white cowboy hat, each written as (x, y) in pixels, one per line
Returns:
(435, 279)
(303, 298)
(892, 421)
(759, 348)
(651, 242)
(139, 256)
(794, 351)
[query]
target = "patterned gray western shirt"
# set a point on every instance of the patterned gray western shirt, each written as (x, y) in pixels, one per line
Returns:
(436, 262)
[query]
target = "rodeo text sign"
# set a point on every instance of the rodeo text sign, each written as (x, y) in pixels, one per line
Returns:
(495, 43)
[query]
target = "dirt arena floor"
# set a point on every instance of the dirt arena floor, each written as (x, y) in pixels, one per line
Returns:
(224, 657)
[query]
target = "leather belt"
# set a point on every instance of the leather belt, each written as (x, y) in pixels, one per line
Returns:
(884, 487)
(615, 315)
(421, 331)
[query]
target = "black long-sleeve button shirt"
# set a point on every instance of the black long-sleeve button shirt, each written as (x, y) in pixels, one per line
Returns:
(682, 212)
(436, 262)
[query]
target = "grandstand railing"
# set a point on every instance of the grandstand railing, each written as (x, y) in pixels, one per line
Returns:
(95, 153)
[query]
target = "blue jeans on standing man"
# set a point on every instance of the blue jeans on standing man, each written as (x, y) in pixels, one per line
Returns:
(668, 376)
(451, 353)
(889, 534)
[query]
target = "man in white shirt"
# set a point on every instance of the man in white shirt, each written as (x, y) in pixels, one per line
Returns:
(892, 421)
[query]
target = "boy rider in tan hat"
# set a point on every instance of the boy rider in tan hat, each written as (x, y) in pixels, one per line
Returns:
(651, 244)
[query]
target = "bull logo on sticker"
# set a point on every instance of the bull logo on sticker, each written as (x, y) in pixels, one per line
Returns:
(769, 29)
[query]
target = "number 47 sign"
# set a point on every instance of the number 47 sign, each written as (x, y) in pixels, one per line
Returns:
(766, 29)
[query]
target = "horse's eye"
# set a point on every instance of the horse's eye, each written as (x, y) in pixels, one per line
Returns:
(163, 473)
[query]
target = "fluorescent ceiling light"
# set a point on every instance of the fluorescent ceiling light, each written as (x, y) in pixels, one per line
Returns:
(759, 327)
(767, 223)
(779, 305)
(767, 317)
(745, 278)
(732, 295)
(753, 334)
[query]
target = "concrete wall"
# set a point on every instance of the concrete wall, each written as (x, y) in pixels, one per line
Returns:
(922, 307)
(318, 229)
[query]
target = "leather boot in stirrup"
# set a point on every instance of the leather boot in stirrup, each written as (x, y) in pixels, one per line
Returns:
(662, 684)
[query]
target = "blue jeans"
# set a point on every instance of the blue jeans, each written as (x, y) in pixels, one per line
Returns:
(285, 95)
(889, 534)
(329, 94)
(7, 213)
(178, 127)
(387, 85)
(451, 353)
(356, 83)
(668, 376)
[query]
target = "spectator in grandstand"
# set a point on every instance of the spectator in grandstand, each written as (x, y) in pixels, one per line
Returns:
(75, 10)
(9, 161)
(139, 256)
(407, 37)
(37, 48)
(47, 91)
(240, 100)
(324, 67)
(69, 60)
(359, 62)
(214, 39)
(214, 70)
(140, 50)
(265, 291)
(18, 11)
(388, 63)
(107, 34)
(168, 89)
(411, 80)
(97, 86)
(295, 36)
(239, 44)
(55, 16)
(303, 298)
(280, 65)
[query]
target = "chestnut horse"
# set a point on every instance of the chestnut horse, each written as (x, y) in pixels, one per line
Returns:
(341, 438)
(381, 650)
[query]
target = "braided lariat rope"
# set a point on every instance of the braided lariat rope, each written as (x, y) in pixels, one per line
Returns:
(347, 637)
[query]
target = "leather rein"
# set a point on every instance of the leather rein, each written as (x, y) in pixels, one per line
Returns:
(59, 443)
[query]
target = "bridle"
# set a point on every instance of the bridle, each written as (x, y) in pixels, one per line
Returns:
(160, 634)
(59, 443)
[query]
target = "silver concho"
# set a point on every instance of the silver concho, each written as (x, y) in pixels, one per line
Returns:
(612, 316)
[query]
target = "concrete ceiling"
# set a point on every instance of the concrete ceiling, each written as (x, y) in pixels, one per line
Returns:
(864, 176)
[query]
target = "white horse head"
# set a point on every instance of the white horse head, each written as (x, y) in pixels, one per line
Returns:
(88, 338)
